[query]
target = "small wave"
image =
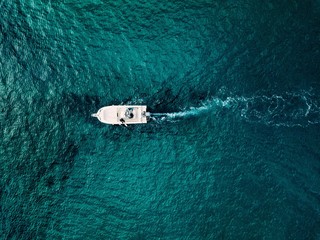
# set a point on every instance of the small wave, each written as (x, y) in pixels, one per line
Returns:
(290, 109)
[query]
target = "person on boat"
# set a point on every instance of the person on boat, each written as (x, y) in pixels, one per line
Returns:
(123, 122)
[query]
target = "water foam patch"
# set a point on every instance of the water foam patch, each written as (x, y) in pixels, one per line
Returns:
(290, 109)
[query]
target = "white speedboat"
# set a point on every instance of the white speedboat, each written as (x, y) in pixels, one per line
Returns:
(122, 114)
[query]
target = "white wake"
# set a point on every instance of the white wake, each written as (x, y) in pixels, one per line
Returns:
(289, 109)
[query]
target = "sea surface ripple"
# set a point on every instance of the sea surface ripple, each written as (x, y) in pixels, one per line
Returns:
(232, 150)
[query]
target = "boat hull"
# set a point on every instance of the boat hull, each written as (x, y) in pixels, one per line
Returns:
(122, 114)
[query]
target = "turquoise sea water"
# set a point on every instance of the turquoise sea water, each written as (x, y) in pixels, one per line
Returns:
(233, 147)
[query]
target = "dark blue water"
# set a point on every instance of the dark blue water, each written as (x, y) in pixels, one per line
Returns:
(232, 150)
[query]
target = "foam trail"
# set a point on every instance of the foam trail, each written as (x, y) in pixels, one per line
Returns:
(290, 109)
(193, 111)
